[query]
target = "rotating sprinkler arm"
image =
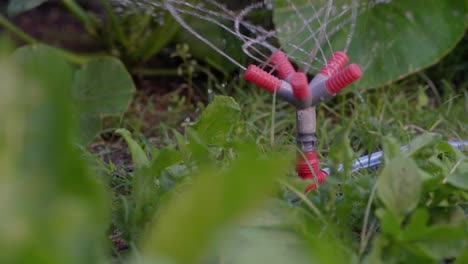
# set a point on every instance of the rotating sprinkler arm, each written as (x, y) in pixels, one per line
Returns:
(294, 88)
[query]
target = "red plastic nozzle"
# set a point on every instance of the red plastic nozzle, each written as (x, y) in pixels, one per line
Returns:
(262, 78)
(303, 169)
(300, 85)
(282, 64)
(336, 62)
(343, 79)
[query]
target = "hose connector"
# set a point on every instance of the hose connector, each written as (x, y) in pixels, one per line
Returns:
(308, 168)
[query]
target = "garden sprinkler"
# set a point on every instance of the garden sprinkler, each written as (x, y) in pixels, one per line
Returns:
(293, 87)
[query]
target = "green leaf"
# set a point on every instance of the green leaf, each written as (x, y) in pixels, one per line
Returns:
(440, 242)
(421, 142)
(399, 185)
(417, 226)
(145, 189)
(391, 38)
(54, 209)
(139, 157)
(15, 7)
(217, 198)
(391, 148)
(389, 223)
(102, 87)
(266, 237)
(217, 120)
(459, 178)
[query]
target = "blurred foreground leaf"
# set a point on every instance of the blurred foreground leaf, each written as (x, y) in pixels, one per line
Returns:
(193, 219)
(53, 208)
(102, 87)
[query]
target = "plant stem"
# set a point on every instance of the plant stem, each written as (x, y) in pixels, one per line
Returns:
(19, 33)
(302, 196)
(16, 31)
(272, 129)
(115, 23)
(364, 234)
(78, 12)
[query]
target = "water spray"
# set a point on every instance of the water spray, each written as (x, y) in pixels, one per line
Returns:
(260, 45)
(293, 87)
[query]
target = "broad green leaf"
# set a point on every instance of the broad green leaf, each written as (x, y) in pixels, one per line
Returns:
(459, 177)
(453, 215)
(421, 142)
(463, 258)
(417, 226)
(391, 37)
(268, 236)
(389, 223)
(16, 7)
(101, 87)
(399, 185)
(441, 242)
(217, 198)
(53, 208)
(145, 182)
(146, 190)
(217, 120)
(391, 149)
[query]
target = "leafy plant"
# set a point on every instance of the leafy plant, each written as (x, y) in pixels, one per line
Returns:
(134, 36)
(100, 87)
(54, 210)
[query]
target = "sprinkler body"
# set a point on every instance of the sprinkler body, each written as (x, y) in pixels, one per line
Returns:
(294, 88)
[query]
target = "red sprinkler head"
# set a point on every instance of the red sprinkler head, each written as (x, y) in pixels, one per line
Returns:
(343, 78)
(336, 62)
(262, 78)
(300, 85)
(283, 66)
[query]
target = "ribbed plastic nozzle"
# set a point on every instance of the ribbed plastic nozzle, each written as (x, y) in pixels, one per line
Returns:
(336, 62)
(343, 78)
(300, 85)
(262, 78)
(282, 64)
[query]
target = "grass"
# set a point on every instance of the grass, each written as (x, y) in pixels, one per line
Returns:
(351, 125)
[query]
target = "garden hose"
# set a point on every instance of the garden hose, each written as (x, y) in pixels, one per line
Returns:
(375, 159)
